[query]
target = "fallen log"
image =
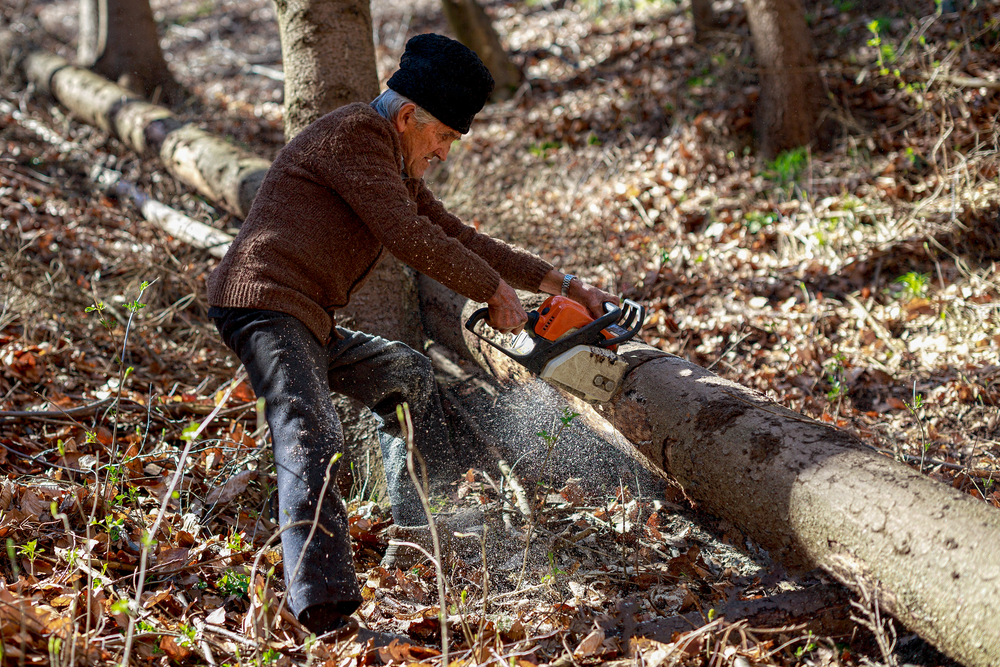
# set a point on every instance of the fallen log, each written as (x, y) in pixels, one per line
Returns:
(222, 172)
(181, 227)
(813, 495)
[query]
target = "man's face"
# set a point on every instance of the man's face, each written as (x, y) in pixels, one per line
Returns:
(422, 143)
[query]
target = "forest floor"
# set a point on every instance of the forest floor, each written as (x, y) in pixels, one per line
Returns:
(855, 282)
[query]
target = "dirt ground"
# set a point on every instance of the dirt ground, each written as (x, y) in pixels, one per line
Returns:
(855, 282)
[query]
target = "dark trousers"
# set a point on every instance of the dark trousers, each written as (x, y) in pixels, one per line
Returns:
(295, 375)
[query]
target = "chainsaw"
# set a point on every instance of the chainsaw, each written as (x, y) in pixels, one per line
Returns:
(563, 344)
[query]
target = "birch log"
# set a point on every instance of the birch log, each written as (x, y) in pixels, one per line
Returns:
(813, 495)
(220, 171)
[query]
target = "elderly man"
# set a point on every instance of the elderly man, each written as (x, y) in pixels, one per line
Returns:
(340, 195)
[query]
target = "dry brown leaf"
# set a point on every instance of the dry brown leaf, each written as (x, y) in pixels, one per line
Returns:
(233, 487)
(592, 644)
(32, 505)
(174, 650)
(217, 617)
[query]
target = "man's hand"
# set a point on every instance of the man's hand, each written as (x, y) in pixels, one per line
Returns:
(506, 313)
(591, 297)
(581, 292)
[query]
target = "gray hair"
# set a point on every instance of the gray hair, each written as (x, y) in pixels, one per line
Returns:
(390, 103)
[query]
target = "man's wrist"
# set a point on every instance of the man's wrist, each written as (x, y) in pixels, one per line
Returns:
(566, 281)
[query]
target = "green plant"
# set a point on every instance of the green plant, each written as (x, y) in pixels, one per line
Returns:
(885, 52)
(836, 378)
(754, 221)
(187, 635)
(787, 166)
(144, 627)
(538, 150)
(114, 527)
(234, 542)
(914, 284)
(554, 569)
(120, 607)
(31, 551)
(98, 308)
(234, 583)
(916, 404)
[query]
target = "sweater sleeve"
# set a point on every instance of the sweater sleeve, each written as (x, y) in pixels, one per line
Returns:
(360, 163)
(518, 267)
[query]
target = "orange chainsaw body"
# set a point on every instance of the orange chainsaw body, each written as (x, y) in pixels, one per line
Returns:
(560, 315)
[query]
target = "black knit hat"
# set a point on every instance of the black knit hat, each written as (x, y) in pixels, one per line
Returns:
(444, 77)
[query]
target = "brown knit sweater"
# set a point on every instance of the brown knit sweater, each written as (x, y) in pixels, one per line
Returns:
(332, 202)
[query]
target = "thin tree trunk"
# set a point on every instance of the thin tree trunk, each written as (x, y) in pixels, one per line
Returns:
(118, 40)
(789, 81)
(328, 56)
(473, 28)
(811, 494)
(704, 18)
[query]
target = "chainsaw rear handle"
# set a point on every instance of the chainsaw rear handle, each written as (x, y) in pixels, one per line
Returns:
(483, 314)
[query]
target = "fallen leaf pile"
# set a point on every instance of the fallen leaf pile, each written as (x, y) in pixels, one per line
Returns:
(855, 281)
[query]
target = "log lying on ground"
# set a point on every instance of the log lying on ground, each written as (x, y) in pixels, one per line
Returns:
(175, 223)
(212, 166)
(813, 495)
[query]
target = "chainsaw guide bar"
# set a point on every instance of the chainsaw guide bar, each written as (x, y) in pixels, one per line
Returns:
(564, 345)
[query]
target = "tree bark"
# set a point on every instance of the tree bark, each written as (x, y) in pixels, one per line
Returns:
(473, 27)
(789, 81)
(704, 18)
(328, 55)
(118, 40)
(214, 167)
(811, 494)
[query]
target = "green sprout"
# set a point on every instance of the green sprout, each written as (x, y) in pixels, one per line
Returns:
(31, 551)
(787, 166)
(914, 284)
(234, 583)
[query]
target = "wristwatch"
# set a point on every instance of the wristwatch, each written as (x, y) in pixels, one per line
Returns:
(567, 279)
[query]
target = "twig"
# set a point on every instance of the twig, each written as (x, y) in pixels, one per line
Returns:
(167, 497)
(256, 564)
(206, 649)
(412, 454)
(314, 524)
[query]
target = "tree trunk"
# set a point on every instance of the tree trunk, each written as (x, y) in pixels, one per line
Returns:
(811, 494)
(328, 55)
(214, 167)
(704, 18)
(118, 40)
(473, 28)
(789, 82)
